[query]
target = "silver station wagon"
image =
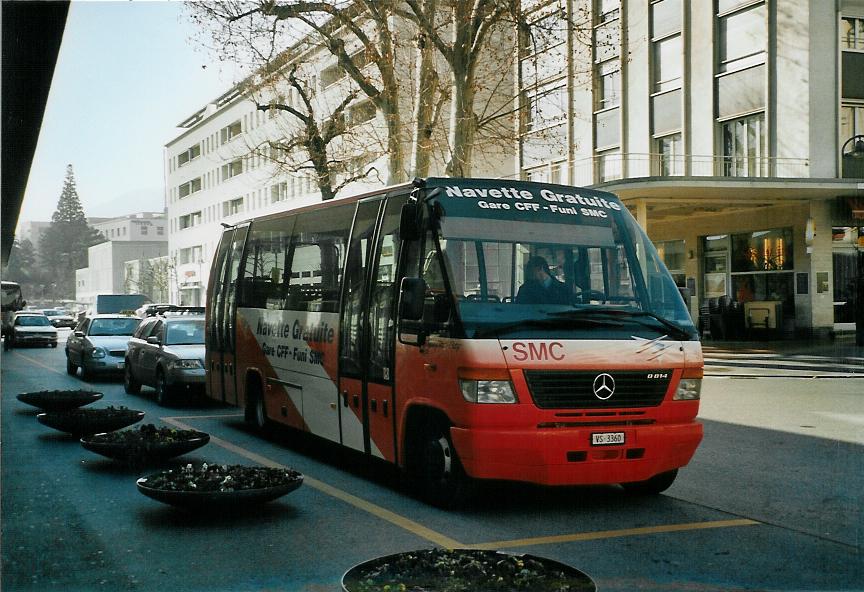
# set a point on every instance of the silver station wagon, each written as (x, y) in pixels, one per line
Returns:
(98, 344)
(167, 353)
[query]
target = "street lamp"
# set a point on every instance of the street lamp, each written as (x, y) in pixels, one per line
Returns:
(853, 161)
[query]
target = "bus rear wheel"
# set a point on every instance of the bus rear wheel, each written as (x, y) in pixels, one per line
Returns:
(437, 475)
(653, 486)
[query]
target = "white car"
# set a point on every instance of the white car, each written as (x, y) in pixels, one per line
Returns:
(31, 328)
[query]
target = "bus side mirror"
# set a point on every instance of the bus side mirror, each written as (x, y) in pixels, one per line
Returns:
(412, 292)
(409, 222)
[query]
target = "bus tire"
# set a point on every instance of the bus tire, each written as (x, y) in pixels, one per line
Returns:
(653, 486)
(255, 412)
(437, 474)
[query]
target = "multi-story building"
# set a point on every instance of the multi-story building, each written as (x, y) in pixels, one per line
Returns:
(728, 126)
(106, 269)
(141, 226)
(721, 124)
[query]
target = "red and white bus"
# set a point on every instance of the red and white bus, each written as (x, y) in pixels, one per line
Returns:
(396, 323)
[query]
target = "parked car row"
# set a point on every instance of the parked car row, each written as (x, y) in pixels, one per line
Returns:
(164, 349)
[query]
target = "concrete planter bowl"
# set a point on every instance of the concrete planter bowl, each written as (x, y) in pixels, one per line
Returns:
(445, 570)
(82, 422)
(219, 487)
(146, 444)
(59, 400)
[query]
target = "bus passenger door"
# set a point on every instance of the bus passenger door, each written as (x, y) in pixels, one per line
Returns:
(225, 313)
(215, 300)
(380, 365)
(353, 337)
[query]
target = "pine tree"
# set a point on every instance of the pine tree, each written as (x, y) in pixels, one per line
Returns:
(63, 247)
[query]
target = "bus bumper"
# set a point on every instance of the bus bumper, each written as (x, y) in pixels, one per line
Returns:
(566, 456)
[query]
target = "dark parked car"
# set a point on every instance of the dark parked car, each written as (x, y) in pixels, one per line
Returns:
(30, 328)
(98, 344)
(167, 353)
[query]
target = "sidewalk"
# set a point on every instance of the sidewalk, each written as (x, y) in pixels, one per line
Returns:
(835, 358)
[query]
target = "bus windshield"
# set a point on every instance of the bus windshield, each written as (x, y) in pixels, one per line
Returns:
(524, 274)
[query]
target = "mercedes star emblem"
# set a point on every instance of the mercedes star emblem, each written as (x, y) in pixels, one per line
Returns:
(604, 386)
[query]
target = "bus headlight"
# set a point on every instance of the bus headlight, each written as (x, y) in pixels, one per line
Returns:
(689, 389)
(487, 391)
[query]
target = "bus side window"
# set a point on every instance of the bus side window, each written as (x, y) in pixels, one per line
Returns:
(267, 254)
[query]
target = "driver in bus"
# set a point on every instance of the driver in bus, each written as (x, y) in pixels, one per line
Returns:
(540, 287)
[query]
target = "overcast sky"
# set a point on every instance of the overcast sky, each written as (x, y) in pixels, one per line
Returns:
(126, 75)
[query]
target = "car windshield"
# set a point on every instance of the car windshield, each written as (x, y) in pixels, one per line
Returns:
(103, 327)
(51, 313)
(33, 321)
(582, 275)
(185, 332)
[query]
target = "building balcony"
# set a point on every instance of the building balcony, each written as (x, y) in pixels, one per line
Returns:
(603, 168)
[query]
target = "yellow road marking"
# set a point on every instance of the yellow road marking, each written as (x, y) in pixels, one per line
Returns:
(611, 534)
(374, 509)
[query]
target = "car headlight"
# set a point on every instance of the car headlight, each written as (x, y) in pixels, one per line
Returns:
(97, 352)
(487, 391)
(186, 364)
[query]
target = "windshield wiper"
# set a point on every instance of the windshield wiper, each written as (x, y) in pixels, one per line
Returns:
(678, 331)
(542, 323)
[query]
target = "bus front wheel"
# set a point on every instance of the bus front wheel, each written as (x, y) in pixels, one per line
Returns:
(255, 412)
(653, 486)
(437, 474)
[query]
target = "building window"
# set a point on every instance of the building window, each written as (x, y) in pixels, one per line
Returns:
(670, 152)
(548, 106)
(851, 121)
(189, 220)
(743, 37)
(279, 192)
(673, 255)
(361, 113)
(232, 169)
(191, 154)
(852, 33)
(143, 230)
(160, 230)
(668, 58)
(608, 84)
(744, 147)
(229, 132)
(232, 207)
(189, 187)
(609, 165)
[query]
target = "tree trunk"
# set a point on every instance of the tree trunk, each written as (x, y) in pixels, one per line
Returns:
(424, 106)
(463, 125)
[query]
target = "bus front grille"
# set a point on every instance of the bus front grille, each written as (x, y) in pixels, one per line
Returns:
(562, 389)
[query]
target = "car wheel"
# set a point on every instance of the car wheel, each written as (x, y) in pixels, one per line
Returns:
(71, 369)
(130, 385)
(7, 344)
(653, 486)
(163, 391)
(86, 374)
(54, 345)
(437, 474)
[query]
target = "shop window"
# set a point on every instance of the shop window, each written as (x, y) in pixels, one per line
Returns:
(764, 250)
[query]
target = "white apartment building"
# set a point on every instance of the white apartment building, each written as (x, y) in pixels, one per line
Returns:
(141, 226)
(727, 126)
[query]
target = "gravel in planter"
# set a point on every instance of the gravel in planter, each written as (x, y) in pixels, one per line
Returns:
(59, 400)
(219, 486)
(145, 444)
(464, 570)
(89, 420)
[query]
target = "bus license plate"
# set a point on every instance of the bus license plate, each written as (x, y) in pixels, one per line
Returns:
(607, 439)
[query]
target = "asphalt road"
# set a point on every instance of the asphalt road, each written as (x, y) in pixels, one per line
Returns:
(772, 501)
